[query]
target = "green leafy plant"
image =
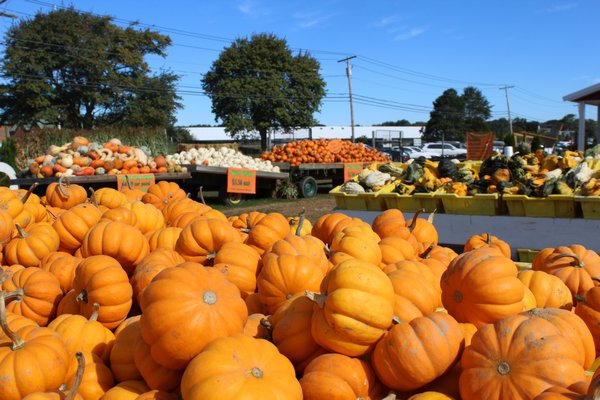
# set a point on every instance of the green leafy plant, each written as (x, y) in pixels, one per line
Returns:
(287, 190)
(8, 152)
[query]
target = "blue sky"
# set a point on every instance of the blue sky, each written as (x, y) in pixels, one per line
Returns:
(408, 52)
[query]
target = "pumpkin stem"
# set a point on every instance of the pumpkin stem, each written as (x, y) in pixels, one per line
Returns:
(265, 323)
(256, 372)
(579, 298)
(427, 251)
(93, 197)
(413, 221)
(201, 192)
(78, 376)
(430, 218)
(61, 183)
(16, 294)
(390, 396)
(577, 263)
(82, 296)
(51, 213)
(503, 368)
(29, 191)
(489, 238)
(317, 298)
(595, 278)
(95, 311)
(16, 340)
(22, 233)
(594, 389)
(396, 320)
(301, 218)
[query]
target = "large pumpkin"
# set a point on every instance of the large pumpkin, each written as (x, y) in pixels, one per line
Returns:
(487, 240)
(549, 290)
(64, 195)
(75, 384)
(436, 340)
(73, 224)
(355, 308)
(283, 276)
(150, 266)
(394, 249)
(588, 308)
(414, 294)
(100, 279)
(308, 246)
(359, 242)
(121, 214)
(162, 193)
(200, 241)
(122, 363)
(120, 241)
(185, 308)
(34, 360)
(82, 334)
(335, 376)
(390, 223)
(518, 357)
(481, 287)
(268, 230)
(237, 367)
(30, 246)
(39, 294)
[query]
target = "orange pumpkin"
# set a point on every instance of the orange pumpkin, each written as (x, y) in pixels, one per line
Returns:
(96, 378)
(359, 242)
(588, 309)
(163, 238)
(59, 394)
(487, 240)
(549, 290)
(149, 218)
(126, 390)
(62, 265)
(100, 279)
(258, 326)
(63, 194)
(156, 376)
(200, 241)
(29, 247)
(109, 197)
(389, 223)
(122, 363)
(150, 266)
(157, 395)
(239, 263)
(162, 193)
(72, 225)
(206, 294)
(394, 249)
(240, 366)
(6, 227)
(414, 294)
(308, 246)
(329, 225)
(121, 214)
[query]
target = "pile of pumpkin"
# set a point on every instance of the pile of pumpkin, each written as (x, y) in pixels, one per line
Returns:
(323, 151)
(83, 158)
(130, 295)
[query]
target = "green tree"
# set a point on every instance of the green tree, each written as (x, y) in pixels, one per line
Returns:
(500, 127)
(79, 70)
(477, 110)
(400, 122)
(447, 118)
(258, 84)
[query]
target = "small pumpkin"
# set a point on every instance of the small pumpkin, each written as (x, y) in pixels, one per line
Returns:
(268, 230)
(30, 246)
(126, 390)
(150, 266)
(73, 224)
(122, 363)
(487, 240)
(96, 378)
(240, 264)
(63, 194)
(163, 238)
(549, 290)
(329, 225)
(156, 376)
(162, 193)
(200, 241)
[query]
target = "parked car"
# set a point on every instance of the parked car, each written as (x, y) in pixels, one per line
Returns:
(439, 150)
(498, 146)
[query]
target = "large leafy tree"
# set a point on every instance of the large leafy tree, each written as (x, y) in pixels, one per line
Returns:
(258, 84)
(477, 109)
(83, 71)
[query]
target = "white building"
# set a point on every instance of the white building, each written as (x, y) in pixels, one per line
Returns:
(392, 134)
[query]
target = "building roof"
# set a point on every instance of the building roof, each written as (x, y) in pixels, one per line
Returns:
(588, 95)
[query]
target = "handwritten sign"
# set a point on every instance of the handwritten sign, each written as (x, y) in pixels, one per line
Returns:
(240, 180)
(479, 145)
(351, 170)
(132, 181)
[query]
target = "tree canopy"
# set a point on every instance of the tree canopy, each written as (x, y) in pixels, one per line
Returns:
(78, 70)
(258, 84)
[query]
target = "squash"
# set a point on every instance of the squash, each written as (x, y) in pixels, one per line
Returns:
(122, 363)
(73, 224)
(201, 240)
(64, 195)
(156, 376)
(30, 246)
(487, 240)
(162, 193)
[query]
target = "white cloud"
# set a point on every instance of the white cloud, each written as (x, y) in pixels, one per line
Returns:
(251, 8)
(310, 19)
(385, 21)
(409, 34)
(561, 7)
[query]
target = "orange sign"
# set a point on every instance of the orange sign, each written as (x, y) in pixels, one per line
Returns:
(240, 180)
(479, 145)
(351, 170)
(139, 181)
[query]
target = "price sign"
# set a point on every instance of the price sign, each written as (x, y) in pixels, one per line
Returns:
(479, 145)
(351, 170)
(139, 181)
(241, 180)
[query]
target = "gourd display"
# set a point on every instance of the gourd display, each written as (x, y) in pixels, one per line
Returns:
(223, 157)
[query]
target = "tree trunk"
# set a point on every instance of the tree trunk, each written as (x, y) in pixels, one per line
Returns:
(263, 139)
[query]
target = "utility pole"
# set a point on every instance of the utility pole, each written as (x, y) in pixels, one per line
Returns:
(505, 88)
(349, 75)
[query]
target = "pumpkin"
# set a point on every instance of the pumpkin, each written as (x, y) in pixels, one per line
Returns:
(572, 328)
(176, 208)
(34, 360)
(487, 240)
(481, 287)
(68, 304)
(359, 242)
(29, 247)
(163, 238)
(389, 222)
(577, 391)
(100, 279)
(528, 300)
(16, 322)
(258, 326)
(574, 265)
(109, 197)
(157, 395)
(336, 324)
(240, 366)
(73, 224)
(283, 276)
(149, 218)
(549, 290)
(162, 193)
(437, 259)
(239, 263)
(202, 306)
(6, 227)
(299, 226)
(75, 382)
(123, 242)
(150, 266)
(435, 338)
(96, 378)
(132, 194)
(394, 249)
(64, 195)
(517, 358)
(156, 376)
(183, 220)
(335, 376)
(268, 230)
(126, 390)
(121, 214)
(588, 309)
(501, 175)
(254, 304)
(10, 203)
(200, 241)
(468, 331)
(308, 246)
(329, 225)
(38, 294)
(122, 363)
(414, 294)
(85, 335)
(245, 221)
(62, 265)
(423, 230)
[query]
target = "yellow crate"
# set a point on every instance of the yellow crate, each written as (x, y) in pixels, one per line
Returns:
(413, 202)
(526, 255)
(553, 206)
(370, 201)
(479, 204)
(590, 206)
